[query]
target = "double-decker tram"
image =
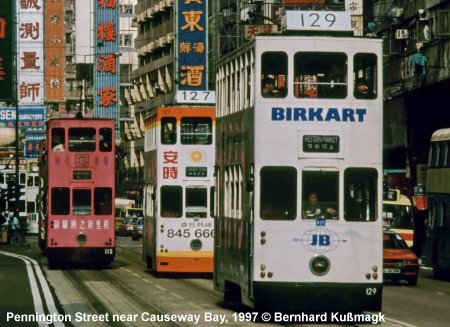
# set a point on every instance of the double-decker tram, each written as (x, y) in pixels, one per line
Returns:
(77, 164)
(437, 249)
(179, 187)
(299, 174)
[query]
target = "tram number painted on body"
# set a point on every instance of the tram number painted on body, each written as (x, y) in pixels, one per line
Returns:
(371, 291)
(186, 233)
(109, 251)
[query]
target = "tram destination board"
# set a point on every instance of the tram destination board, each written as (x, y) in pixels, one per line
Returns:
(321, 143)
(82, 174)
(196, 171)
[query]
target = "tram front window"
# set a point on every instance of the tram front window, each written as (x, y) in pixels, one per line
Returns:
(82, 139)
(81, 201)
(321, 75)
(196, 130)
(278, 193)
(320, 194)
(196, 202)
(171, 201)
(360, 194)
(60, 200)
(274, 74)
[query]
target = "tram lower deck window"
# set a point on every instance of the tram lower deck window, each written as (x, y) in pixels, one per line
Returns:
(278, 193)
(360, 194)
(171, 201)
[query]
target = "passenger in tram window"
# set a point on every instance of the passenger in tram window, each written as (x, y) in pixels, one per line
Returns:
(58, 144)
(269, 90)
(335, 83)
(313, 209)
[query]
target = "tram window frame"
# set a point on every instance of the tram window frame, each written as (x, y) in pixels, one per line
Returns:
(81, 201)
(171, 201)
(325, 184)
(82, 139)
(364, 182)
(191, 131)
(168, 130)
(443, 154)
(103, 201)
(278, 193)
(60, 200)
(196, 197)
(105, 139)
(320, 75)
(365, 76)
(274, 69)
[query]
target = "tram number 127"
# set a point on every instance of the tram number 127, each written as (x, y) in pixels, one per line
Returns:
(196, 96)
(186, 233)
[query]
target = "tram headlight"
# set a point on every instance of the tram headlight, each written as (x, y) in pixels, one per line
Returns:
(319, 265)
(81, 238)
(196, 245)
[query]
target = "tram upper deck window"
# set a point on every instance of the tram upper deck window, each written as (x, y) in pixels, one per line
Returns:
(365, 76)
(278, 193)
(196, 130)
(321, 75)
(58, 139)
(82, 139)
(274, 67)
(105, 140)
(320, 194)
(360, 194)
(168, 130)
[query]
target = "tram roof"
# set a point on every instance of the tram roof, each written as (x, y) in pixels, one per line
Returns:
(442, 134)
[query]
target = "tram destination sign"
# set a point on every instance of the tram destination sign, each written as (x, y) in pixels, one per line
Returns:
(196, 171)
(82, 174)
(321, 143)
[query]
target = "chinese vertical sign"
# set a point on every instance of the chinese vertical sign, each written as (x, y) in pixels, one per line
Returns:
(191, 44)
(30, 52)
(106, 68)
(170, 165)
(6, 50)
(54, 51)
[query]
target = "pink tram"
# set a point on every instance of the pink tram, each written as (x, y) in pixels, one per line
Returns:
(77, 165)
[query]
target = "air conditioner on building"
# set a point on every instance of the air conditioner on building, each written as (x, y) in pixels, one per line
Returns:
(169, 3)
(162, 5)
(150, 12)
(401, 34)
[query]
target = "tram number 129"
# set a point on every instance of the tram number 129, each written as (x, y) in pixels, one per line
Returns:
(187, 233)
(371, 291)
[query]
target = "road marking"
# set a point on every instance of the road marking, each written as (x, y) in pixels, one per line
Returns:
(160, 288)
(37, 300)
(179, 297)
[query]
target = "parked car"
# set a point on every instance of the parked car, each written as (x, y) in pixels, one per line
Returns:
(138, 229)
(126, 227)
(399, 261)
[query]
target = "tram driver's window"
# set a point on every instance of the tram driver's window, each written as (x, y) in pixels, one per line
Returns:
(320, 194)
(81, 201)
(274, 74)
(168, 130)
(105, 140)
(196, 202)
(171, 201)
(102, 201)
(82, 139)
(360, 194)
(278, 193)
(60, 200)
(320, 75)
(58, 139)
(365, 76)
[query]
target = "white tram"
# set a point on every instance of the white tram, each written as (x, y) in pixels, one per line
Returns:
(317, 129)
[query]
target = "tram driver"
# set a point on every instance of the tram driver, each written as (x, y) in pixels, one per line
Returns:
(313, 209)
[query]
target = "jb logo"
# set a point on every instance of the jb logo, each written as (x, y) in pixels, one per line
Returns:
(320, 240)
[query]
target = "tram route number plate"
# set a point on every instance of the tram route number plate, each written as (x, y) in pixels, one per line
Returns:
(321, 143)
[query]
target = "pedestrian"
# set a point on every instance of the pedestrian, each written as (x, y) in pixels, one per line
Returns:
(15, 229)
